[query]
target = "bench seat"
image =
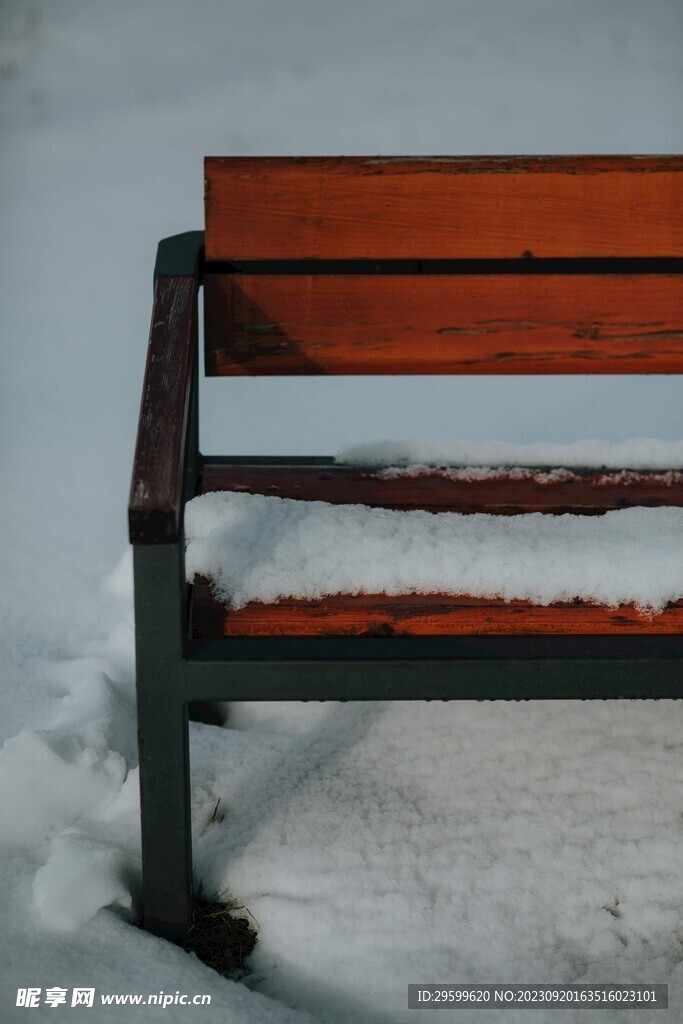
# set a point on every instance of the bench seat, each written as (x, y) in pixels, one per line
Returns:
(501, 492)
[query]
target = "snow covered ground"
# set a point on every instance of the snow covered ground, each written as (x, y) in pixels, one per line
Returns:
(375, 845)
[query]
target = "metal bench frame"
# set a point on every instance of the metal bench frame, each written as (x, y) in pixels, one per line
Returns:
(173, 669)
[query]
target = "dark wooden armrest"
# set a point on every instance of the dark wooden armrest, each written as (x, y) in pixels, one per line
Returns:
(161, 451)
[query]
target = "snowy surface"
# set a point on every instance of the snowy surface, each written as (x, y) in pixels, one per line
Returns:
(255, 547)
(639, 453)
(375, 844)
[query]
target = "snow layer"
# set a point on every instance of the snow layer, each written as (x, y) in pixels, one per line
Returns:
(375, 844)
(260, 548)
(381, 843)
(639, 453)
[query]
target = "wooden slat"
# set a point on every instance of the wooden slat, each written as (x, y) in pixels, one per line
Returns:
(377, 615)
(413, 324)
(443, 207)
(504, 494)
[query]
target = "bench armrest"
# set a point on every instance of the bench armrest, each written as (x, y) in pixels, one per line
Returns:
(166, 439)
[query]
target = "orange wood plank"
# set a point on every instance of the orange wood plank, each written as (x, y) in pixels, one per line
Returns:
(443, 207)
(421, 615)
(502, 494)
(443, 323)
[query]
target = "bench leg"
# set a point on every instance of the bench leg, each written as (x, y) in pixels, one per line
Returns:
(163, 742)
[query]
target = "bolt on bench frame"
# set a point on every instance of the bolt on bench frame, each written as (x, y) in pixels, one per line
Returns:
(173, 667)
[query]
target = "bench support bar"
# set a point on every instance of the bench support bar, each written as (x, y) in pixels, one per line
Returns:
(411, 679)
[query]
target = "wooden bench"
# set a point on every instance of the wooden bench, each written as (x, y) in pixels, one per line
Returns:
(382, 266)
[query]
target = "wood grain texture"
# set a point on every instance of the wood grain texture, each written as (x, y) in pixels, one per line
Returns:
(504, 494)
(443, 207)
(377, 615)
(443, 323)
(157, 483)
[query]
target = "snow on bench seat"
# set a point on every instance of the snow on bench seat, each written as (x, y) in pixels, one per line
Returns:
(644, 453)
(266, 565)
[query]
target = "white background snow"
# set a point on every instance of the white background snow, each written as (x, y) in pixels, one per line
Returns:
(379, 844)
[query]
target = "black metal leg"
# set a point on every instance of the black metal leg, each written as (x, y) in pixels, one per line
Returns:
(166, 839)
(163, 741)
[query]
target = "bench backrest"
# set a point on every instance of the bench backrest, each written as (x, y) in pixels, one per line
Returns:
(360, 265)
